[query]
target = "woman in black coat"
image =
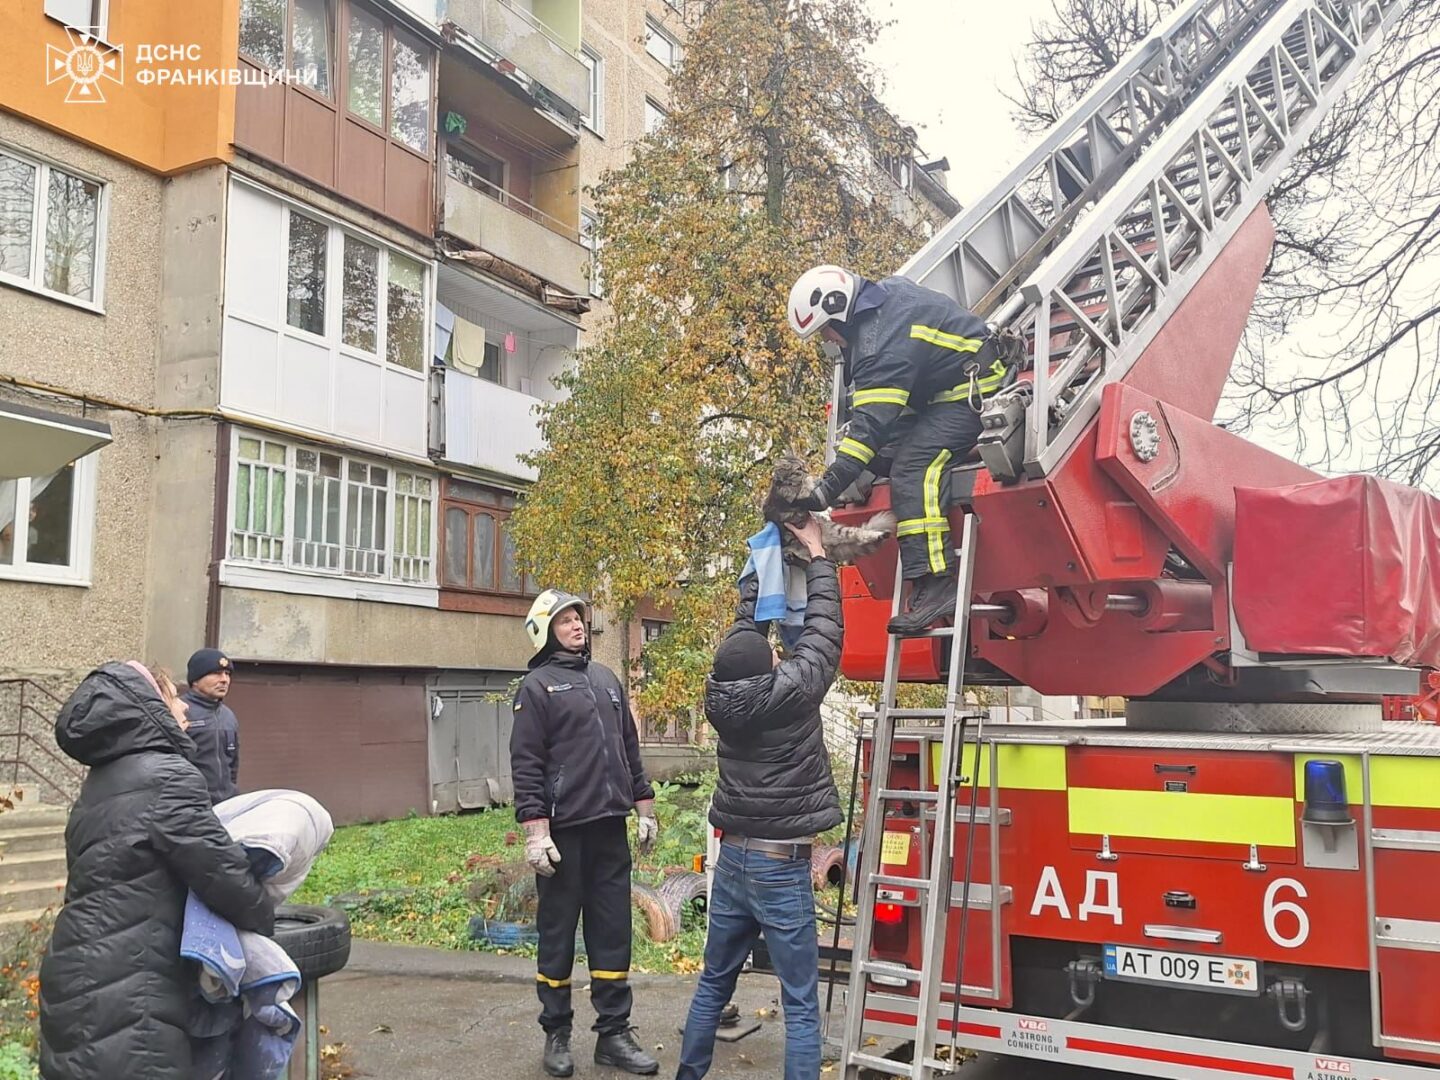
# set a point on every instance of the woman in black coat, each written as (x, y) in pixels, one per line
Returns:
(114, 992)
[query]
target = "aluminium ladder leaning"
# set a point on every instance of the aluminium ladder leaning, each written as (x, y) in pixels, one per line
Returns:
(934, 886)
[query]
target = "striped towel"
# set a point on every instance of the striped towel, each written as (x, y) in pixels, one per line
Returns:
(782, 587)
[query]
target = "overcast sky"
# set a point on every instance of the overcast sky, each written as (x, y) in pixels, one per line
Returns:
(945, 64)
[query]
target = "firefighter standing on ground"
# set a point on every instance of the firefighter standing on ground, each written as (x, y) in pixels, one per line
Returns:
(904, 346)
(575, 762)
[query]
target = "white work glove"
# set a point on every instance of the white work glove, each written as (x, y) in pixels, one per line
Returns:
(540, 851)
(647, 827)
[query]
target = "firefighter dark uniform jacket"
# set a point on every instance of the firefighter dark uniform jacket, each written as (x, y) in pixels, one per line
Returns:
(908, 347)
(574, 752)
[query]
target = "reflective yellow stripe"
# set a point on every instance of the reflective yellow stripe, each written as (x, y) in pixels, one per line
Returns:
(1400, 781)
(1268, 820)
(944, 340)
(915, 526)
(609, 974)
(885, 395)
(556, 983)
(856, 449)
(1394, 781)
(933, 476)
(1021, 767)
(987, 385)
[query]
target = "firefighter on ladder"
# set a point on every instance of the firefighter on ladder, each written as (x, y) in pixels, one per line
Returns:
(904, 346)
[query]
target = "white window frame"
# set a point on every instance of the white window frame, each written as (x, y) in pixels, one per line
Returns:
(102, 15)
(655, 32)
(38, 224)
(286, 566)
(82, 531)
(333, 337)
(588, 241)
(661, 114)
(595, 65)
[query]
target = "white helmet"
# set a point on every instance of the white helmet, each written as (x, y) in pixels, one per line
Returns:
(547, 605)
(823, 294)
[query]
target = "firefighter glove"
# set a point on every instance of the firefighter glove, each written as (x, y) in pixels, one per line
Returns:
(815, 501)
(540, 851)
(647, 827)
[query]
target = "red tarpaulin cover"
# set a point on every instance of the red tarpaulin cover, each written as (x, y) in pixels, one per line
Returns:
(1347, 567)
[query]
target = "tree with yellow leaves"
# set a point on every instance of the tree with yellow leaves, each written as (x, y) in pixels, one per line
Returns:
(658, 457)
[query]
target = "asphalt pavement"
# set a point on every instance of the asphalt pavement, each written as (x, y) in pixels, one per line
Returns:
(427, 1014)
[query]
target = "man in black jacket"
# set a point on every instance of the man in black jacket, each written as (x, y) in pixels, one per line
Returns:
(575, 762)
(213, 725)
(775, 793)
(905, 347)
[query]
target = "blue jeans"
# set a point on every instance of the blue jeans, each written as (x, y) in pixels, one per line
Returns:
(754, 893)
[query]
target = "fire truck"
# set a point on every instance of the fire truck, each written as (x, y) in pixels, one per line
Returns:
(1241, 880)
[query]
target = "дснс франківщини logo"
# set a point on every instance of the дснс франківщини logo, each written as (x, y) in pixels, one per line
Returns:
(87, 63)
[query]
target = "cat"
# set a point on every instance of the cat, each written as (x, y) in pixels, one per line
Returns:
(842, 543)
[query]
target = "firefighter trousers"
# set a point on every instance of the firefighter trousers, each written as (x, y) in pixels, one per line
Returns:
(593, 877)
(944, 432)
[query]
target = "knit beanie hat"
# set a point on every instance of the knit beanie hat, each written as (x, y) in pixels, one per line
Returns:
(742, 655)
(207, 662)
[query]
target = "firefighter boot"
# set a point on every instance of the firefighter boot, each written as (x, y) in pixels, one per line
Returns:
(624, 1052)
(558, 1061)
(932, 598)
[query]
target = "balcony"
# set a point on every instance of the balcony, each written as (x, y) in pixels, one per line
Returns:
(529, 44)
(487, 217)
(488, 426)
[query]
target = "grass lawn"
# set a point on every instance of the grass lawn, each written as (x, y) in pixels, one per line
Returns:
(406, 881)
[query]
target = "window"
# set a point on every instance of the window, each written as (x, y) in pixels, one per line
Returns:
(363, 266)
(492, 369)
(310, 38)
(388, 75)
(594, 116)
(360, 295)
(81, 14)
(305, 291)
(405, 313)
(480, 555)
(475, 168)
(349, 516)
(591, 243)
(365, 87)
(51, 229)
(661, 45)
(654, 117)
(46, 525)
(410, 93)
(651, 629)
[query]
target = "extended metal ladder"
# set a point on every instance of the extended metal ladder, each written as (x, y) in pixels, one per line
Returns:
(1090, 244)
(935, 885)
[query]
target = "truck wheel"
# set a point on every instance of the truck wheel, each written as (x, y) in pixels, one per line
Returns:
(1272, 717)
(316, 938)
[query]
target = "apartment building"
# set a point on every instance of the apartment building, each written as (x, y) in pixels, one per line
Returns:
(314, 263)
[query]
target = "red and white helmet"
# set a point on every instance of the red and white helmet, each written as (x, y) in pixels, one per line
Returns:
(823, 294)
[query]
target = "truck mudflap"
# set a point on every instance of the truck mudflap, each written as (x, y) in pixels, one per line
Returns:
(1126, 1050)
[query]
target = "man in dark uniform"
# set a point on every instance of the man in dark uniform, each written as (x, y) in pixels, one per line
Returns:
(213, 724)
(905, 347)
(575, 762)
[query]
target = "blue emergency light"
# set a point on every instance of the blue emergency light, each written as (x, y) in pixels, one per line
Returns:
(1326, 802)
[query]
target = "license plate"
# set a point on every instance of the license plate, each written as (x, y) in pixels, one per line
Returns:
(1225, 974)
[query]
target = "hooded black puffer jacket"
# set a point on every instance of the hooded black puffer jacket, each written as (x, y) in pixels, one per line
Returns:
(114, 992)
(775, 780)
